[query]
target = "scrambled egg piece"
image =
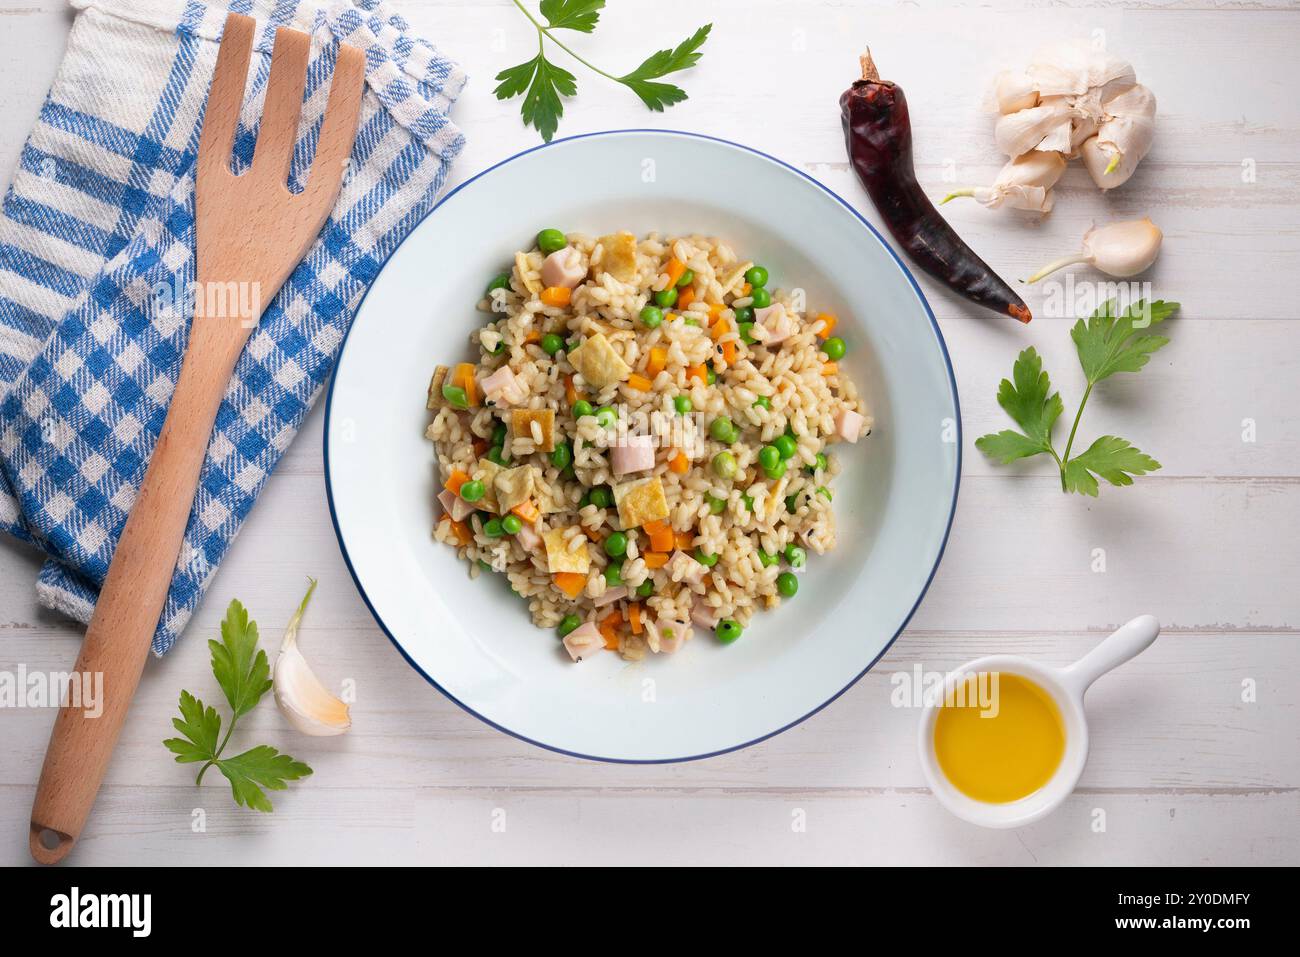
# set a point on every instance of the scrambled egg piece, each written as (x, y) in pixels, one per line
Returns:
(640, 502)
(619, 258)
(521, 421)
(599, 364)
(486, 471)
(558, 556)
(514, 486)
(435, 400)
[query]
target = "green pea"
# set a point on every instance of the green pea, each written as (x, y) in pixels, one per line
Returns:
(512, 524)
(766, 559)
(551, 240)
(455, 396)
(613, 576)
(834, 348)
(606, 416)
(651, 316)
(499, 433)
(567, 472)
(710, 375)
(484, 565)
(728, 630)
(744, 314)
(792, 503)
(693, 322)
(666, 298)
(824, 492)
(688, 277)
(716, 505)
(769, 456)
(761, 298)
(561, 456)
(787, 584)
(497, 455)
(568, 624)
(746, 329)
(748, 501)
(472, 491)
(705, 559)
(763, 402)
(776, 471)
(645, 589)
(616, 545)
(723, 430)
(820, 466)
(582, 407)
(796, 556)
(756, 276)
(492, 528)
(683, 404)
(786, 445)
(500, 282)
(724, 465)
(551, 343)
(499, 347)
(600, 497)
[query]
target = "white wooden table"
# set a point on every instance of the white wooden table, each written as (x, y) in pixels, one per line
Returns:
(1186, 766)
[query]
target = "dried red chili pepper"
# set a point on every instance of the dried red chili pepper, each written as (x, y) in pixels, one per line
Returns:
(878, 135)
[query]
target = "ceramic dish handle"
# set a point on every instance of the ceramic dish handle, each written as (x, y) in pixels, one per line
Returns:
(1131, 639)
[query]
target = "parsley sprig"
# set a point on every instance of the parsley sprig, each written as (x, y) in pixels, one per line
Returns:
(544, 85)
(242, 670)
(1107, 342)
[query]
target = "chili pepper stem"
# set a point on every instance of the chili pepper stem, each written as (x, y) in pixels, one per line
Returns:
(957, 192)
(869, 71)
(1058, 264)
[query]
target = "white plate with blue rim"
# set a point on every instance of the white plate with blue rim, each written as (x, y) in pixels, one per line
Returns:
(473, 640)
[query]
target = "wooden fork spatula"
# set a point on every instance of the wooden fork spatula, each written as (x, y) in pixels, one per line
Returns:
(253, 232)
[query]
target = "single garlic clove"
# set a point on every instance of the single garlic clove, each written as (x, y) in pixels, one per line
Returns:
(1020, 132)
(1023, 183)
(299, 693)
(1123, 139)
(1118, 249)
(1123, 249)
(1014, 92)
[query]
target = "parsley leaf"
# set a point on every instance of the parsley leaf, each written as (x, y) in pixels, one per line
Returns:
(580, 15)
(1107, 342)
(261, 767)
(544, 86)
(240, 666)
(1111, 458)
(242, 671)
(662, 62)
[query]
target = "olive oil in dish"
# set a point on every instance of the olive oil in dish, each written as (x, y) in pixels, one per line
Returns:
(1004, 750)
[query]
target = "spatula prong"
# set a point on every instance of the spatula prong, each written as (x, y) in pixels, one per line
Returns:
(225, 96)
(334, 145)
(279, 130)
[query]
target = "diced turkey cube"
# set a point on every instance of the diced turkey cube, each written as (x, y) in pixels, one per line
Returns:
(848, 424)
(564, 267)
(584, 641)
(456, 507)
(633, 453)
(503, 388)
(776, 323)
(684, 568)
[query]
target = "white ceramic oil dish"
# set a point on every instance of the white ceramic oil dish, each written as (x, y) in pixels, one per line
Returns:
(1067, 686)
(893, 500)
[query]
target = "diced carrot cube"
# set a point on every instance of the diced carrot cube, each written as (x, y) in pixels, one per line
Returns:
(480, 446)
(655, 559)
(698, 372)
(661, 535)
(639, 382)
(719, 329)
(828, 325)
(715, 310)
(556, 296)
(676, 269)
(462, 532)
(679, 463)
(830, 368)
(729, 352)
(609, 628)
(570, 393)
(634, 617)
(571, 583)
(463, 376)
(683, 540)
(657, 362)
(534, 335)
(685, 297)
(527, 510)
(455, 480)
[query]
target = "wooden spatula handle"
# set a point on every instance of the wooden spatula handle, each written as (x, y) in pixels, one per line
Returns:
(130, 603)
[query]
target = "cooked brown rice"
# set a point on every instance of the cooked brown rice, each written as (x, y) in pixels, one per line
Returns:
(746, 522)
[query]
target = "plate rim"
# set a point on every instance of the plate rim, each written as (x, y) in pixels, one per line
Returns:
(943, 544)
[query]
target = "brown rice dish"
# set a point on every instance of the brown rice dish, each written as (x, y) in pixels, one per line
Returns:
(643, 445)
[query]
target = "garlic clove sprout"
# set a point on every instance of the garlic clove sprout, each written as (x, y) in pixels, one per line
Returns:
(1123, 138)
(1014, 92)
(1018, 133)
(1118, 249)
(299, 693)
(1024, 183)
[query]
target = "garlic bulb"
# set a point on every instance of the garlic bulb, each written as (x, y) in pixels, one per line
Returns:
(1077, 100)
(298, 692)
(1024, 183)
(1120, 249)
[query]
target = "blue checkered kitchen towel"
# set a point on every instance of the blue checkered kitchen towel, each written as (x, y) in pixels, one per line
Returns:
(100, 217)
